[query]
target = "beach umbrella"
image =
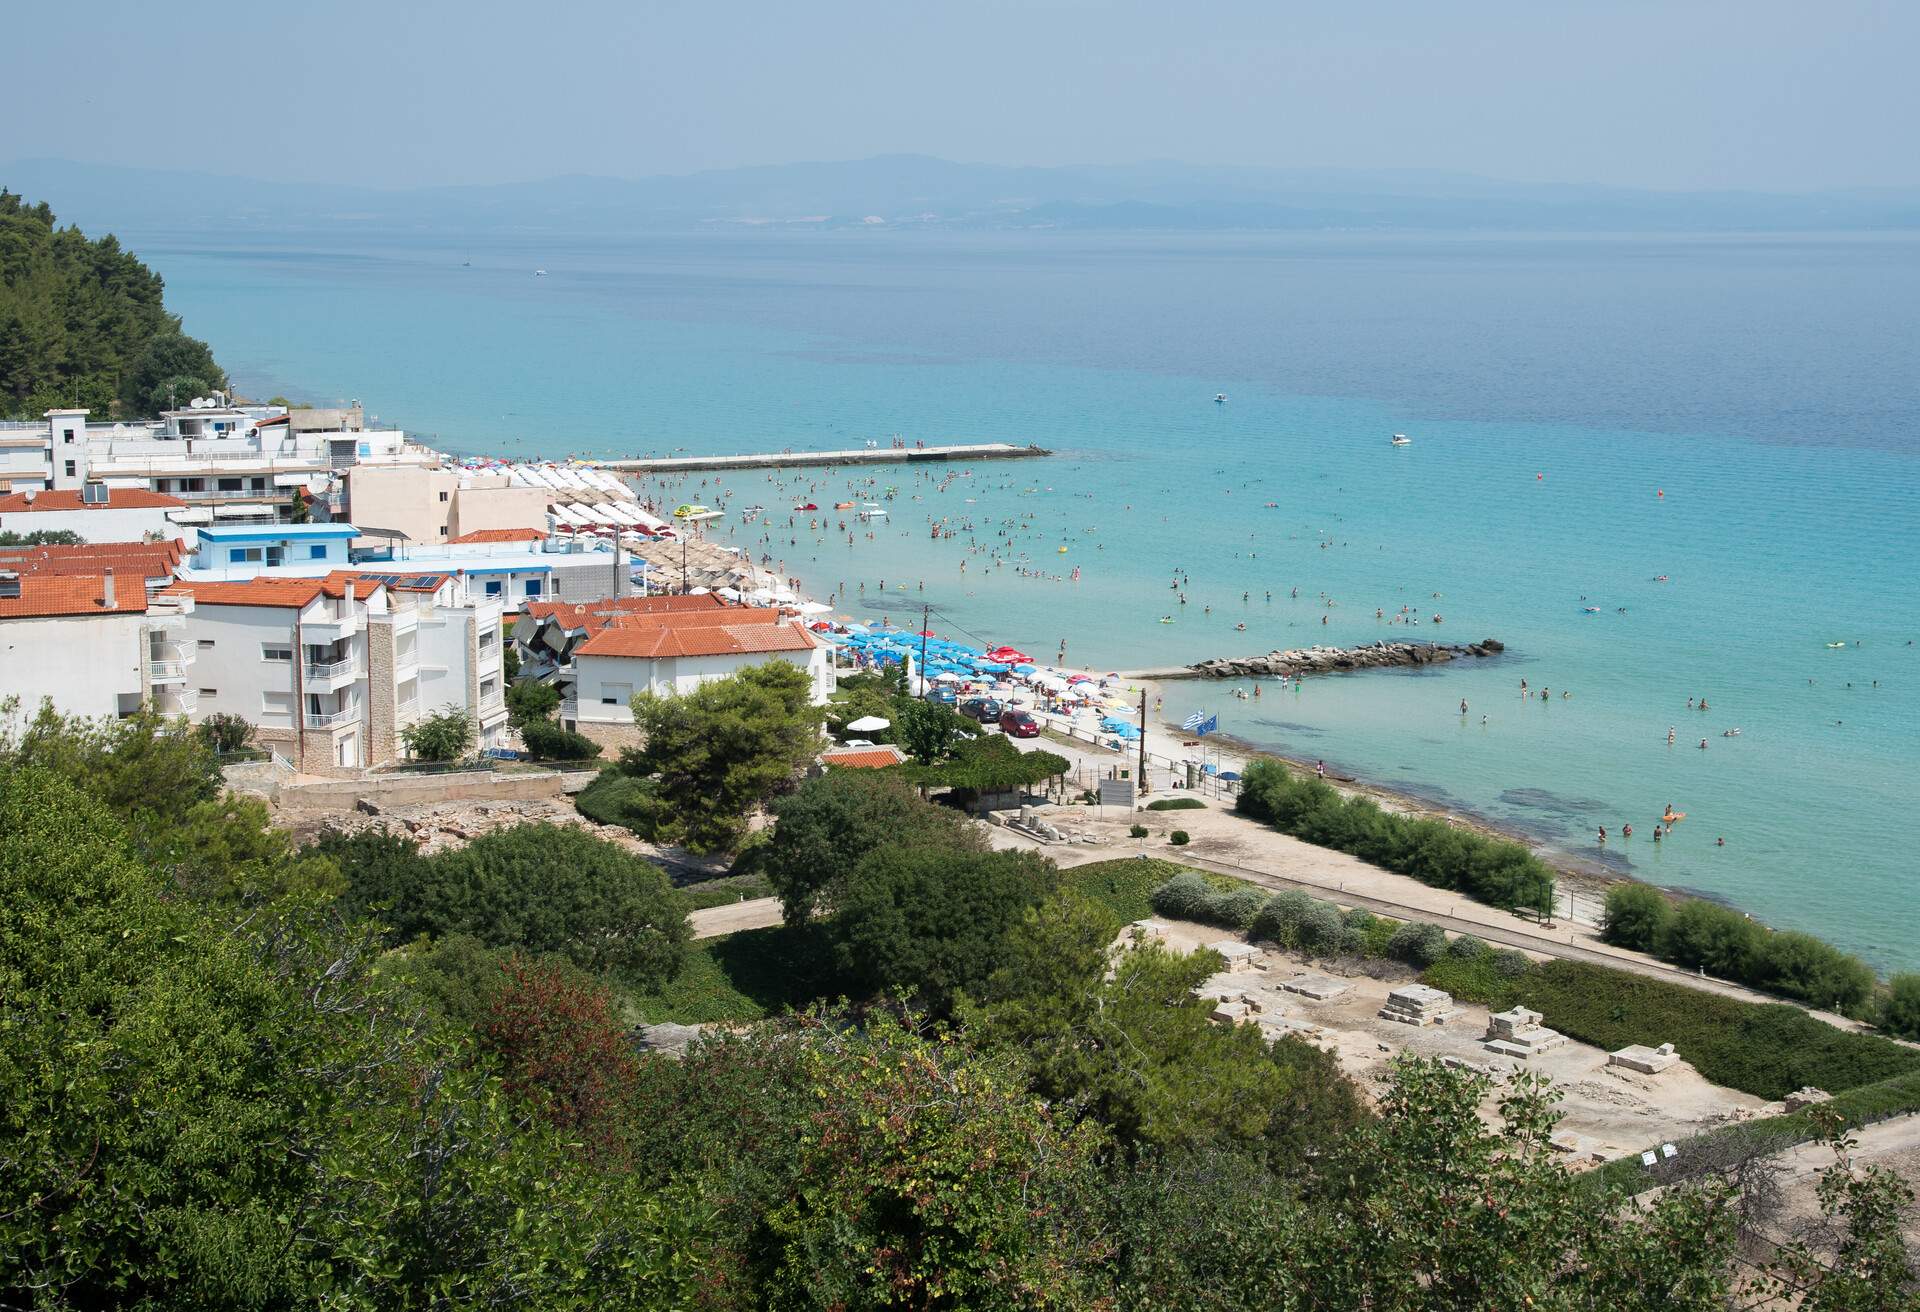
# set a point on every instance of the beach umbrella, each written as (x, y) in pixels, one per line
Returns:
(813, 608)
(1230, 774)
(868, 724)
(946, 676)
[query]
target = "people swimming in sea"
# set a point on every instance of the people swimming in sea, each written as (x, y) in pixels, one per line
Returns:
(1603, 833)
(1703, 744)
(1626, 830)
(1720, 842)
(1669, 735)
(1463, 706)
(1656, 833)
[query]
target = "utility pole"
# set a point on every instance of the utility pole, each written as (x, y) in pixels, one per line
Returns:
(683, 560)
(1143, 743)
(926, 613)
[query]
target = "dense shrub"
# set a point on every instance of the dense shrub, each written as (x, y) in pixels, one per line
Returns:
(1802, 966)
(1702, 935)
(1490, 870)
(1177, 804)
(1178, 838)
(1239, 907)
(1766, 1049)
(1509, 963)
(1136, 831)
(1323, 930)
(1417, 943)
(616, 798)
(726, 891)
(1471, 979)
(547, 741)
(1124, 887)
(1900, 1014)
(1279, 919)
(226, 732)
(1185, 897)
(1636, 917)
(1468, 947)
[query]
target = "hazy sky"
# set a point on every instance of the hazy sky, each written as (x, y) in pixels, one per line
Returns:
(1778, 94)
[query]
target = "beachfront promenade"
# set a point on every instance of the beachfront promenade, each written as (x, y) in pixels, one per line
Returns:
(891, 455)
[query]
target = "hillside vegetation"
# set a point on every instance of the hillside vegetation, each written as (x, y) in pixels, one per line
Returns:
(83, 323)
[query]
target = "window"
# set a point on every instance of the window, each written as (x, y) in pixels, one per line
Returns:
(229, 485)
(616, 694)
(488, 638)
(276, 703)
(317, 552)
(67, 437)
(206, 644)
(443, 496)
(242, 555)
(194, 485)
(533, 587)
(443, 530)
(493, 587)
(209, 692)
(259, 485)
(488, 690)
(273, 651)
(69, 469)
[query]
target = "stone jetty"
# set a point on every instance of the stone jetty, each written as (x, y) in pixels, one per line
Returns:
(1327, 660)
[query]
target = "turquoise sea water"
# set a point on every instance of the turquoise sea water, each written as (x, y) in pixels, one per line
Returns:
(1765, 386)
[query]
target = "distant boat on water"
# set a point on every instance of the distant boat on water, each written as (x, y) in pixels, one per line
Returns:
(539, 273)
(1219, 398)
(1401, 439)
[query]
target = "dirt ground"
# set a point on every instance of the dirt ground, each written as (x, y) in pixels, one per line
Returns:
(1607, 1111)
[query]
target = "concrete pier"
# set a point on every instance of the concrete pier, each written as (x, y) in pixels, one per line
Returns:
(860, 456)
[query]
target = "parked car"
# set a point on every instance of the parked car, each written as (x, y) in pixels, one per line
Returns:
(943, 694)
(1018, 724)
(984, 709)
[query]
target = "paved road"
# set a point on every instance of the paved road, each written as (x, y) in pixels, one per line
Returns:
(758, 913)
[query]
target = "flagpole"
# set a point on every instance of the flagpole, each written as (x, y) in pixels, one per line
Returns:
(1143, 743)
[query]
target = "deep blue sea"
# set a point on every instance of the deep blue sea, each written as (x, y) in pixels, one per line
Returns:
(1738, 414)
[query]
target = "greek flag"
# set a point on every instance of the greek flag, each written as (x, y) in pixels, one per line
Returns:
(1194, 721)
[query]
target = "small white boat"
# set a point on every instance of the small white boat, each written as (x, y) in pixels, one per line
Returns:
(539, 273)
(1219, 398)
(1401, 439)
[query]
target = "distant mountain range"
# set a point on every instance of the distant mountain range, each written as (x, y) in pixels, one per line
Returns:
(916, 191)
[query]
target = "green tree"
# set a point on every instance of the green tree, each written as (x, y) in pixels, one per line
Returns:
(44, 537)
(932, 921)
(226, 732)
(928, 730)
(1123, 1034)
(555, 1039)
(446, 735)
(545, 888)
(171, 370)
(829, 823)
(1868, 1265)
(529, 701)
(723, 749)
(1701, 935)
(1900, 1012)
(1636, 916)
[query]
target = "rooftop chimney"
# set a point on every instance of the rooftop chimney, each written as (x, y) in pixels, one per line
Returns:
(107, 598)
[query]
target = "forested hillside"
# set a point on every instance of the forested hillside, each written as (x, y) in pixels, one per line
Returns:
(82, 323)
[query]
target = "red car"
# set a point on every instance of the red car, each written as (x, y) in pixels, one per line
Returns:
(1018, 724)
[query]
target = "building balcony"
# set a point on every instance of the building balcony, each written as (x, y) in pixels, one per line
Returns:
(321, 632)
(167, 671)
(335, 674)
(405, 663)
(332, 719)
(176, 701)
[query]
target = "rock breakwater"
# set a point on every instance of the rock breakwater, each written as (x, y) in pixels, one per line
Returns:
(1337, 660)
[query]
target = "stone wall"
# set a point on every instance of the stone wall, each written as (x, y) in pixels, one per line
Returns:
(402, 790)
(381, 745)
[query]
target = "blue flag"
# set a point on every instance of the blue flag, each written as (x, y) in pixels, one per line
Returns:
(1211, 723)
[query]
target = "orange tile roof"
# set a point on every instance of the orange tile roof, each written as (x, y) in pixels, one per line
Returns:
(149, 560)
(45, 595)
(658, 637)
(272, 591)
(118, 498)
(500, 535)
(596, 615)
(862, 758)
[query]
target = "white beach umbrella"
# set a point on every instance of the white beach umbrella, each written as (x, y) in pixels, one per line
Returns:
(869, 724)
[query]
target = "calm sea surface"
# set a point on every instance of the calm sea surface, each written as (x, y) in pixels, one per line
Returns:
(1740, 415)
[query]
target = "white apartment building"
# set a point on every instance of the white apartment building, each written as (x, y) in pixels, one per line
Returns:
(92, 643)
(330, 670)
(96, 512)
(227, 463)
